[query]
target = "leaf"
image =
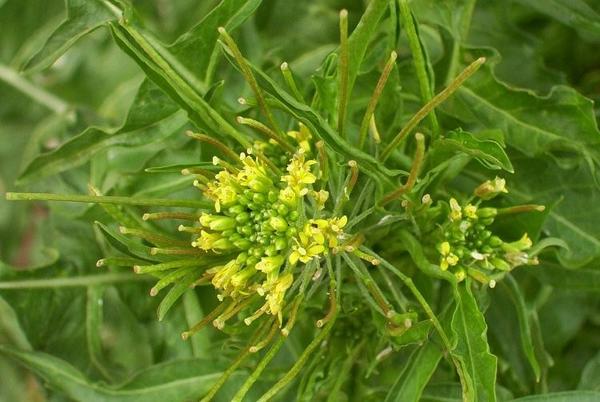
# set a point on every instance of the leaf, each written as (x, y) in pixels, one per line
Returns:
(416, 374)
(174, 381)
(417, 333)
(590, 376)
(513, 290)
(201, 40)
(488, 152)
(360, 39)
(581, 279)
(175, 293)
(10, 328)
(472, 349)
(562, 121)
(569, 396)
(149, 120)
(83, 16)
(570, 195)
(573, 13)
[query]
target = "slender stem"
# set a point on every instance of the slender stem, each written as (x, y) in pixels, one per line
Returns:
(267, 131)
(152, 237)
(435, 101)
(239, 396)
(343, 73)
(293, 372)
(200, 324)
(249, 76)
(323, 160)
(373, 130)
(170, 215)
(414, 171)
(521, 208)
(78, 281)
(369, 113)
(214, 142)
(107, 199)
(291, 83)
(38, 94)
(436, 324)
(239, 360)
(418, 60)
(147, 269)
(465, 25)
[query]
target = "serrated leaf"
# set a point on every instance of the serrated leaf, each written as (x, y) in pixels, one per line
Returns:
(562, 121)
(472, 349)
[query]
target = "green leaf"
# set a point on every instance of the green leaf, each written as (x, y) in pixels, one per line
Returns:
(182, 380)
(360, 39)
(513, 290)
(149, 120)
(488, 152)
(581, 279)
(570, 396)
(562, 121)
(83, 16)
(416, 374)
(175, 293)
(472, 349)
(573, 13)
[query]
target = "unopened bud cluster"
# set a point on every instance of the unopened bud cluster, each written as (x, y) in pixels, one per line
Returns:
(469, 247)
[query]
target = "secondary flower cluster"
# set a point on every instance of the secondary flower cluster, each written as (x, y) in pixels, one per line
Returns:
(259, 221)
(469, 247)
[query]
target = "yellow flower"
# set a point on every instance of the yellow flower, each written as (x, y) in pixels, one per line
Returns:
(299, 174)
(471, 211)
(277, 294)
(302, 137)
(455, 210)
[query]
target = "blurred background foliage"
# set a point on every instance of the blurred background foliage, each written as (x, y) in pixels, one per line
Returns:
(110, 331)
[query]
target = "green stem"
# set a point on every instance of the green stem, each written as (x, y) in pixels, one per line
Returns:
(249, 76)
(369, 113)
(418, 60)
(432, 104)
(465, 24)
(288, 76)
(239, 396)
(78, 281)
(343, 73)
(414, 171)
(38, 94)
(293, 372)
(107, 199)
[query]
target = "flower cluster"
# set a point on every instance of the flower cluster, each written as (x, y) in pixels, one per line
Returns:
(469, 247)
(259, 221)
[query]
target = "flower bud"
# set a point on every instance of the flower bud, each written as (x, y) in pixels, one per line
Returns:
(491, 188)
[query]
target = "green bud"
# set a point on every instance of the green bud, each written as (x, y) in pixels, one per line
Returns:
(500, 264)
(280, 243)
(242, 217)
(293, 216)
(278, 223)
(282, 209)
(221, 223)
(236, 209)
(272, 196)
(487, 212)
(291, 232)
(259, 198)
(495, 241)
(270, 251)
(242, 244)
